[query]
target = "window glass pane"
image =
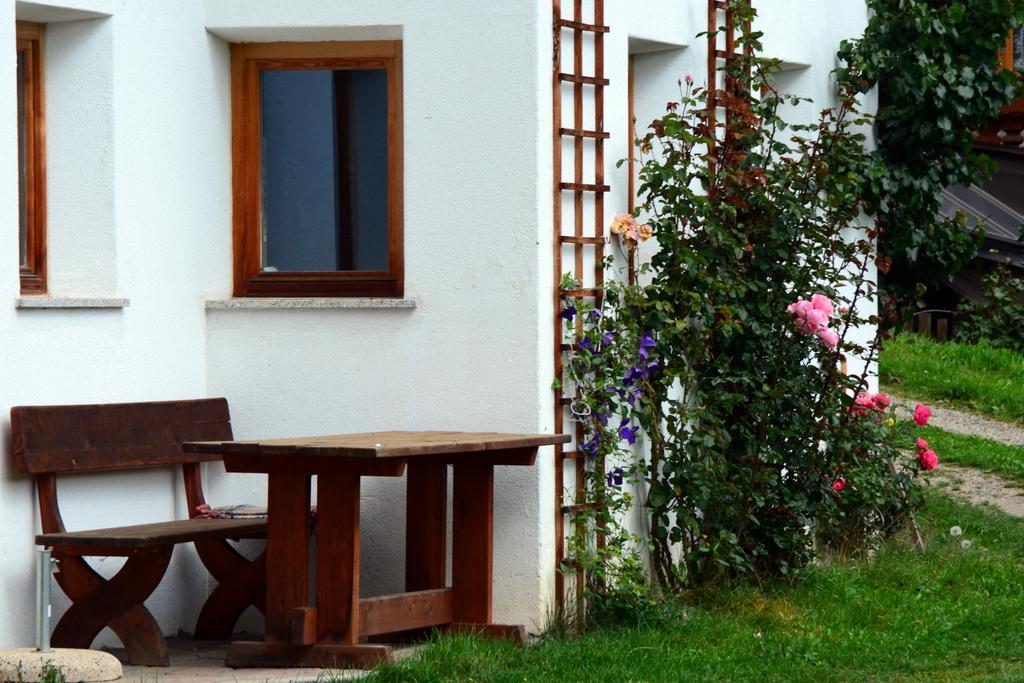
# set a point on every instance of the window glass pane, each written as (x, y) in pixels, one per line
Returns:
(22, 170)
(324, 169)
(1018, 49)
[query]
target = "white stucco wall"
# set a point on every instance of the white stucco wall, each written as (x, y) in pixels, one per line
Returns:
(140, 207)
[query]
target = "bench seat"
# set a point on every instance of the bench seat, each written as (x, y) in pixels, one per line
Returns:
(127, 538)
(52, 441)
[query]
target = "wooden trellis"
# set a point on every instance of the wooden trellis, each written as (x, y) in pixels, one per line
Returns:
(722, 28)
(573, 242)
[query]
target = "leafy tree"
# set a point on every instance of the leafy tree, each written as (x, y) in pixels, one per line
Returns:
(936, 65)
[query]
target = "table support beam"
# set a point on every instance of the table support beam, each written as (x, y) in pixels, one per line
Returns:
(337, 563)
(426, 526)
(473, 541)
(287, 539)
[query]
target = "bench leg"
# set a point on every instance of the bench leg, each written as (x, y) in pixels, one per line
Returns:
(240, 583)
(117, 603)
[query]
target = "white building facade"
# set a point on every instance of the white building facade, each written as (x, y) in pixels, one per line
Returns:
(141, 290)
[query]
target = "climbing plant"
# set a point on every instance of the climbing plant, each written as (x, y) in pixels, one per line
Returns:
(726, 361)
(936, 68)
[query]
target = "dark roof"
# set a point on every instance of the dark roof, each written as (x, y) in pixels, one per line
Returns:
(1001, 221)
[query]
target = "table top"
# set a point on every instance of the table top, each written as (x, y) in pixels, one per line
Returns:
(380, 444)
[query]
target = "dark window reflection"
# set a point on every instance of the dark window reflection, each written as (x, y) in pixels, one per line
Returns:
(324, 169)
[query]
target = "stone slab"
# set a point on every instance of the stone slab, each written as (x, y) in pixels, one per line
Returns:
(29, 664)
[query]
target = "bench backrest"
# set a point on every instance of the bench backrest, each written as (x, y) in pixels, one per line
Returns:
(112, 436)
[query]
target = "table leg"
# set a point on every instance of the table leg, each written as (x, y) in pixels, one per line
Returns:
(287, 552)
(337, 564)
(426, 525)
(473, 541)
(337, 590)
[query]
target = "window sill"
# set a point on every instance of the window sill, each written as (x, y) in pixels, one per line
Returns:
(319, 303)
(66, 302)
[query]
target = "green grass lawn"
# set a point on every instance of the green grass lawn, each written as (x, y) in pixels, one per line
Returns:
(976, 378)
(973, 451)
(943, 614)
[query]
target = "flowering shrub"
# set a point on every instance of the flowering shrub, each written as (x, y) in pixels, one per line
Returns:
(759, 451)
(998, 317)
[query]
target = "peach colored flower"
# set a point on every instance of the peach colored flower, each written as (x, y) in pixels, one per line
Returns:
(622, 223)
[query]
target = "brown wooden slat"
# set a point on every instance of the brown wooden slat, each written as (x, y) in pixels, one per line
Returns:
(571, 239)
(580, 507)
(161, 533)
(580, 26)
(76, 438)
(573, 455)
(583, 187)
(724, 54)
(583, 293)
(580, 133)
(418, 609)
(585, 80)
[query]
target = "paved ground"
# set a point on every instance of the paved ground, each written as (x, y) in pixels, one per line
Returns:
(203, 662)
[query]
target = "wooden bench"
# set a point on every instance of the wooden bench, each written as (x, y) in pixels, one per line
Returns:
(51, 440)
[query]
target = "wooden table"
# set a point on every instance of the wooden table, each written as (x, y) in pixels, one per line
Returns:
(332, 632)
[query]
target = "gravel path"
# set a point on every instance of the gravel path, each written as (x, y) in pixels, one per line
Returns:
(979, 488)
(975, 486)
(960, 422)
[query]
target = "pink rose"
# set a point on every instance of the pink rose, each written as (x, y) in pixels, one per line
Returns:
(922, 445)
(881, 401)
(862, 404)
(689, 79)
(814, 320)
(828, 338)
(921, 415)
(822, 303)
(839, 484)
(799, 308)
(927, 460)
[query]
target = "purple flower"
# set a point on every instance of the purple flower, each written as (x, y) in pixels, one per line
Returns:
(603, 418)
(568, 313)
(632, 375)
(591, 447)
(594, 315)
(608, 337)
(615, 477)
(627, 433)
(585, 343)
(646, 342)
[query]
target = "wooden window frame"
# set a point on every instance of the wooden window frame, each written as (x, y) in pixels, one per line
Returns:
(33, 271)
(247, 61)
